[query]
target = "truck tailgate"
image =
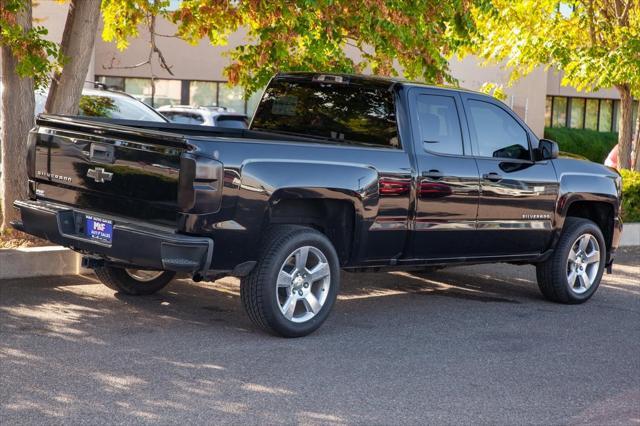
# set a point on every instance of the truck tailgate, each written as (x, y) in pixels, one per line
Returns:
(107, 168)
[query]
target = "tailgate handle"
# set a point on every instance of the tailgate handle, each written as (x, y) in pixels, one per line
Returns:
(101, 153)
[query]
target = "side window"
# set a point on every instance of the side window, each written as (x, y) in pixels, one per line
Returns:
(197, 118)
(439, 124)
(339, 113)
(184, 117)
(177, 117)
(497, 133)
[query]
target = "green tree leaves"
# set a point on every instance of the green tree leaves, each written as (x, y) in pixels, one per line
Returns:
(596, 43)
(416, 35)
(36, 57)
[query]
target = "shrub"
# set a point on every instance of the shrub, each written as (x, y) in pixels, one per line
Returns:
(630, 196)
(588, 143)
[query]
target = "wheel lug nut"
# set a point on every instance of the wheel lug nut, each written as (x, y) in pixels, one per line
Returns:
(300, 292)
(306, 285)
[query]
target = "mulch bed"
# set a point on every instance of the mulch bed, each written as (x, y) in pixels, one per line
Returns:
(11, 239)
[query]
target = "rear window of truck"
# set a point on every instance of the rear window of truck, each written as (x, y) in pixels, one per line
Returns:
(342, 113)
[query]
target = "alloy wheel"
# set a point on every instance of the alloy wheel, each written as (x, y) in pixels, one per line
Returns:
(303, 284)
(583, 263)
(143, 275)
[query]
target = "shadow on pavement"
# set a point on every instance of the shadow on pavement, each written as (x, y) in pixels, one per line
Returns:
(70, 350)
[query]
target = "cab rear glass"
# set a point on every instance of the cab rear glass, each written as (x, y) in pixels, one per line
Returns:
(339, 113)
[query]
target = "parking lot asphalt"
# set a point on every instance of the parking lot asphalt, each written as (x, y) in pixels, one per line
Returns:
(465, 345)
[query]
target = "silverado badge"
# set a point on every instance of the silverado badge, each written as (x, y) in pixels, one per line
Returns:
(99, 175)
(53, 176)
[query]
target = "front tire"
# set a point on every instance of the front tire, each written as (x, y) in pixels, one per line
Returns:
(134, 282)
(573, 272)
(293, 287)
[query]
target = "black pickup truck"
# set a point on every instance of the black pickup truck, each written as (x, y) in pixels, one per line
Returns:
(335, 172)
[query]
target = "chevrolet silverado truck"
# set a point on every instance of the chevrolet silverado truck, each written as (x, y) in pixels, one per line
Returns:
(335, 172)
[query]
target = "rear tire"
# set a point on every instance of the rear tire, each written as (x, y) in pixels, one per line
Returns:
(573, 272)
(133, 283)
(293, 287)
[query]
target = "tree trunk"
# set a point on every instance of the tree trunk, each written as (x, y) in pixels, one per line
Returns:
(625, 126)
(18, 106)
(636, 154)
(77, 43)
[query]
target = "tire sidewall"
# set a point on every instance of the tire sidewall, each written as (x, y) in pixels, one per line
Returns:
(269, 290)
(567, 244)
(129, 285)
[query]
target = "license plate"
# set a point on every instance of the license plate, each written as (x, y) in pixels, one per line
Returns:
(98, 229)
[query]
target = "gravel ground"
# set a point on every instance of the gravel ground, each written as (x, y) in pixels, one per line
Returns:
(466, 345)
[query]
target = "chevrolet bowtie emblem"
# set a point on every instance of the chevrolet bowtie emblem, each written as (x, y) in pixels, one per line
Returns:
(99, 175)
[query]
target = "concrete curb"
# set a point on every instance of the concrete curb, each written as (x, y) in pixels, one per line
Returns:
(38, 262)
(630, 235)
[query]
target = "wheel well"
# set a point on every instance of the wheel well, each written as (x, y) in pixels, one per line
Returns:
(334, 218)
(599, 212)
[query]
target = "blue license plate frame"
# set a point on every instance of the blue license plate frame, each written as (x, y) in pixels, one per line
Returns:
(98, 229)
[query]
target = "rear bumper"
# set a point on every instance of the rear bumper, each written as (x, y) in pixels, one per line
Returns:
(133, 243)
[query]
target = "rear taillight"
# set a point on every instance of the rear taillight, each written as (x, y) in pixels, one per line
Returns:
(200, 187)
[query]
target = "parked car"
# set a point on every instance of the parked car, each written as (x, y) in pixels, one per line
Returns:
(204, 116)
(336, 172)
(108, 104)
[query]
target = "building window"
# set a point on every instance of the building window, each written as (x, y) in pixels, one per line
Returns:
(167, 91)
(606, 115)
(576, 120)
(547, 111)
(203, 93)
(231, 97)
(112, 83)
(591, 114)
(559, 112)
(139, 88)
(584, 113)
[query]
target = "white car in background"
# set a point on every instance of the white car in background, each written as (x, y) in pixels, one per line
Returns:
(204, 116)
(108, 104)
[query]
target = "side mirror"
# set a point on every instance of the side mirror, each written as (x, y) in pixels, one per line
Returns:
(547, 150)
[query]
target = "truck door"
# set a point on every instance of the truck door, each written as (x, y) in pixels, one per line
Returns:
(517, 194)
(447, 187)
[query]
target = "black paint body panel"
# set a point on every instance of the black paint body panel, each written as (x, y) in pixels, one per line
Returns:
(400, 216)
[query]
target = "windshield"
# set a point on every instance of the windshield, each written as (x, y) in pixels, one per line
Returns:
(120, 107)
(338, 112)
(108, 105)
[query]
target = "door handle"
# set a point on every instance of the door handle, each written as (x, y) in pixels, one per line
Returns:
(433, 174)
(493, 177)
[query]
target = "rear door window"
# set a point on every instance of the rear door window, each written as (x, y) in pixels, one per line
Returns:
(439, 124)
(344, 113)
